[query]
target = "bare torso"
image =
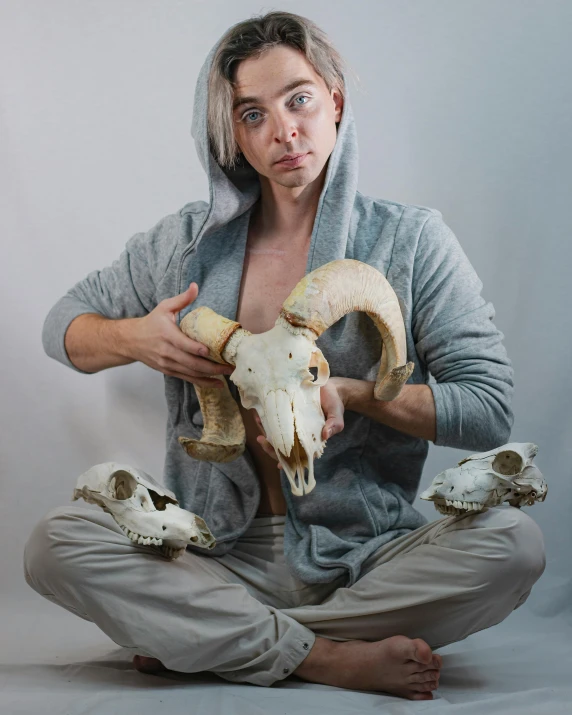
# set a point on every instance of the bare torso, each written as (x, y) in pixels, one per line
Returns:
(271, 270)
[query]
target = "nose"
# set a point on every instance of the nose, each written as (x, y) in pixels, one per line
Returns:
(284, 128)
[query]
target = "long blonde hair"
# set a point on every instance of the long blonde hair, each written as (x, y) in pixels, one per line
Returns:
(251, 38)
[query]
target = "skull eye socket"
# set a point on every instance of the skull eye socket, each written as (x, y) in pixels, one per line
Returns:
(123, 485)
(508, 463)
(318, 368)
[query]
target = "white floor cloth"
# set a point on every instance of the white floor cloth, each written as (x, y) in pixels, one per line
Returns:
(53, 662)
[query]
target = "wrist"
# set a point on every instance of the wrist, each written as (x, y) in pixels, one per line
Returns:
(124, 334)
(353, 392)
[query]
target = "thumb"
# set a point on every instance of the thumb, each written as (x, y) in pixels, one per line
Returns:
(178, 302)
(332, 407)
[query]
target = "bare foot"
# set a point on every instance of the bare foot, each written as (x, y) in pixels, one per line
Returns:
(147, 665)
(398, 665)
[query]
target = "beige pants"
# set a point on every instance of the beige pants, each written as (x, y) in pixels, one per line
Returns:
(243, 615)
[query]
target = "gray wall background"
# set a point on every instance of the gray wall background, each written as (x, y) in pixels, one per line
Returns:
(462, 105)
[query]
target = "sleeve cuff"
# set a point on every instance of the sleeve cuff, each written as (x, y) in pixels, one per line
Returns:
(443, 421)
(55, 327)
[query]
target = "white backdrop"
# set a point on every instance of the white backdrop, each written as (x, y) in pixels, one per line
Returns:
(464, 106)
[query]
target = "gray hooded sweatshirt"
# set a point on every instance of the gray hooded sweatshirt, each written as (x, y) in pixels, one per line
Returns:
(368, 476)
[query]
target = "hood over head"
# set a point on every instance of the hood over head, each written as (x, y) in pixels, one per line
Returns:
(234, 191)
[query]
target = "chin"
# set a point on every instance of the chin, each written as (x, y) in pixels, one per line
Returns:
(300, 179)
(297, 177)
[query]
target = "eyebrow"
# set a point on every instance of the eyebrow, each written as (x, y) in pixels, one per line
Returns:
(239, 101)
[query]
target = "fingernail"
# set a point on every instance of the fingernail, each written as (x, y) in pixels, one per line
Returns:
(204, 352)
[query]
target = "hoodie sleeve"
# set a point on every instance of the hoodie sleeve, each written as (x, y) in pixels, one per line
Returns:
(125, 289)
(457, 340)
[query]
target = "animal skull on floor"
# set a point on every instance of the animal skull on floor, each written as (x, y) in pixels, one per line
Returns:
(147, 512)
(489, 478)
(272, 369)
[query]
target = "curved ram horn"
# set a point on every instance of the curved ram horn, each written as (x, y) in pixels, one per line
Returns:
(223, 438)
(340, 287)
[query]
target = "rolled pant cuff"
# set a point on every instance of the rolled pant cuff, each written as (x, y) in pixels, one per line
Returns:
(299, 646)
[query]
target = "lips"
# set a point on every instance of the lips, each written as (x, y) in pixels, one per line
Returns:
(293, 161)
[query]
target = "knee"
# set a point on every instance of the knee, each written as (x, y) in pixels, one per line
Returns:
(518, 537)
(40, 555)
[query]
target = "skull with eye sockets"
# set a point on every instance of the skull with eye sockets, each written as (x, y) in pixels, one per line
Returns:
(145, 511)
(505, 474)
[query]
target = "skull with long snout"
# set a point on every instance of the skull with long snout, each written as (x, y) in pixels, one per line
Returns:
(145, 511)
(487, 479)
(272, 369)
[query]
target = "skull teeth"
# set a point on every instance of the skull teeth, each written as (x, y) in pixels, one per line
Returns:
(457, 507)
(172, 552)
(144, 540)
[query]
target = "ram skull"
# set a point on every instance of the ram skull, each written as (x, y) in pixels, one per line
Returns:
(145, 511)
(272, 369)
(487, 479)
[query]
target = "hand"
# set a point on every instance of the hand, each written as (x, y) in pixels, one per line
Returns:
(333, 401)
(157, 341)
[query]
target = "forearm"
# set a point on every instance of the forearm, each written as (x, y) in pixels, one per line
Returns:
(95, 343)
(412, 412)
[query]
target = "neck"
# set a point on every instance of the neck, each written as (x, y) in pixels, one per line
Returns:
(284, 215)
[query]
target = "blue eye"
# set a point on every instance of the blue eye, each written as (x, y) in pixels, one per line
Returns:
(249, 114)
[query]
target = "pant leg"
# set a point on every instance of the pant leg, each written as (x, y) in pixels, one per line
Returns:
(442, 582)
(194, 613)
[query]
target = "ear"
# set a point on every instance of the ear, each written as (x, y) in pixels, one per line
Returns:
(339, 104)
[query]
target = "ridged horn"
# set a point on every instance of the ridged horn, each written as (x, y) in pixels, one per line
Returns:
(340, 287)
(224, 437)
(213, 330)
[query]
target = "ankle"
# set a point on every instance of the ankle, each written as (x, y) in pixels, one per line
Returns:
(319, 661)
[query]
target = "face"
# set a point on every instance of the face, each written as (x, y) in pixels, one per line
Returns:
(277, 119)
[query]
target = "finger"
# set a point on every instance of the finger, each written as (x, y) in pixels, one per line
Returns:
(333, 426)
(333, 411)
(199, 365)
(259, 423)
(180, 301)
(198, 381)
(183, 342)
(267, 447)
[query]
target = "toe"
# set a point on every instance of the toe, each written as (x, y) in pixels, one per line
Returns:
(427, 676)
(422, 696)
(422, 652)
(146, 664)
(423, 687)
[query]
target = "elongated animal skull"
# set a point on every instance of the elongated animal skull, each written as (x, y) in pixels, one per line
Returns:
(147, 512)
(489, 478)
(272, 369)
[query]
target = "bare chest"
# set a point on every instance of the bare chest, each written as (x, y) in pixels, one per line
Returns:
(268, 277)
